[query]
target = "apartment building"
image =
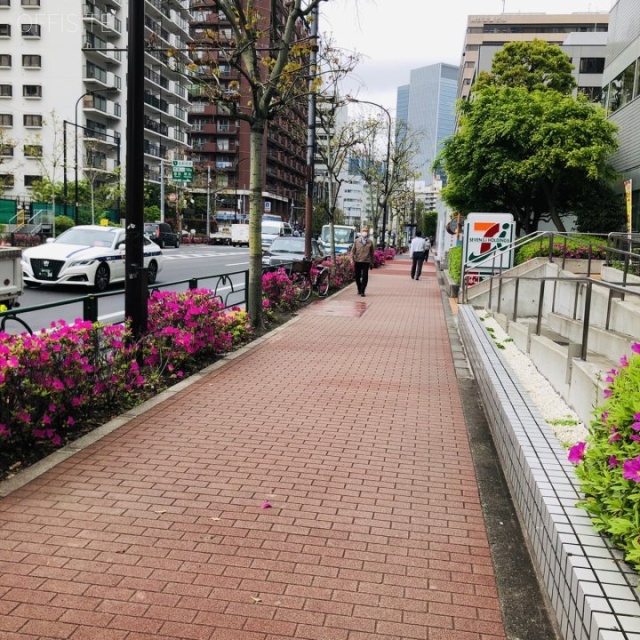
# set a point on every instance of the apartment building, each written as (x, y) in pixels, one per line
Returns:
(63, 90)
(494, 31)
(221, 141)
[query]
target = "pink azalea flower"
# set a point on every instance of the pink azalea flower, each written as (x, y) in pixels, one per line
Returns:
(634, 437)
(607, 393)
(613, 462)
(56, 441)
(4, 431)
(624, 362)
(576, 453)
(631, 469)
(635, 347)
(70, 421)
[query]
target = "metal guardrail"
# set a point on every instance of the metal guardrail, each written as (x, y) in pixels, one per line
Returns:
(614, 292)
(90, 302)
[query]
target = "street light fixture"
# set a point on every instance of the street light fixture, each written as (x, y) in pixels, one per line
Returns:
(386, 168)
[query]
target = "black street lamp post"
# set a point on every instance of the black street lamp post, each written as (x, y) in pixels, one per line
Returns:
(385, 195)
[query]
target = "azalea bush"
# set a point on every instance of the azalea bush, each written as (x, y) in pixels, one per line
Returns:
(378, 258)
(389, 253)
(278, 292)
(344, 272)
(608, 463)
(62, 382)
(576, 247)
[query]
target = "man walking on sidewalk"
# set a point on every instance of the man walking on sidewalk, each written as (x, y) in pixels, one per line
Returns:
(417, 251)
(362, 254)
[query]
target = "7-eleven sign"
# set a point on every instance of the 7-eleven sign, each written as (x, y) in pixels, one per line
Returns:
(488, 241)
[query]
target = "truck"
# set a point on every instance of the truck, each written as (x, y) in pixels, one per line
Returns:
(240, 235)
(11, 285)
(343, 238)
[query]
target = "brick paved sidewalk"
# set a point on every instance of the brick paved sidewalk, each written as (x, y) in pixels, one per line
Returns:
(348, 421)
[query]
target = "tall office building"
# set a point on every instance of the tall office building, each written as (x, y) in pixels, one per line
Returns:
(426, 106)
(63, 80)
(497, 30)
(221, 141)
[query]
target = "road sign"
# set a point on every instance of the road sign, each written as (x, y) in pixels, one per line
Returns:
(267, 206)
(182, 170)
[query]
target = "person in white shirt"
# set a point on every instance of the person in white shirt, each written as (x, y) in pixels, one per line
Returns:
(417, 251)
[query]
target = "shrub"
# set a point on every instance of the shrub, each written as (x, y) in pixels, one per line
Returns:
(344, 272)
(63, 223)
(608, 464)
(278, 291)
(389, 253)
(575, 247)
(454, 262)
(378, 258)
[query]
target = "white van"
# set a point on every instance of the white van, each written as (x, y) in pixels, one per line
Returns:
(272, 229)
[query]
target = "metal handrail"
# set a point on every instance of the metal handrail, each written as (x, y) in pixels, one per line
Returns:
(614, 292)
(90, 302)
(519, 243)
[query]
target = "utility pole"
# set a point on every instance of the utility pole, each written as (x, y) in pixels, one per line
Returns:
(136, 291)
(311, 136)
(208, 203)
(162, 193)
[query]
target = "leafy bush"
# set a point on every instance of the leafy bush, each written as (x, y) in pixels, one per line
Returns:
(608, 464)
(454, 262)
(575, 247)
(63, 223)
(344, 273)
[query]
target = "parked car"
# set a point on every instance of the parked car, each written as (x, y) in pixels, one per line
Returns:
(162, 234)
(288, 249)
(272, 229)
(86, 255)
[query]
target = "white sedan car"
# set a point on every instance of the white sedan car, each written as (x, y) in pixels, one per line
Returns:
(90, 256)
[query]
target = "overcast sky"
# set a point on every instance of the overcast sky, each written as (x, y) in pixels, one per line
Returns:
(393, 39)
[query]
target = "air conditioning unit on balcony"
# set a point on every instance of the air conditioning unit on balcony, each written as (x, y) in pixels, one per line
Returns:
(87, 45)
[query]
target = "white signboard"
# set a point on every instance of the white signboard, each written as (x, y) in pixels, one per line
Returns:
(488, 239)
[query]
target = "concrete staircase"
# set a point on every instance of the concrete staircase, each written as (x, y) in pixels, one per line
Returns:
(613, 326)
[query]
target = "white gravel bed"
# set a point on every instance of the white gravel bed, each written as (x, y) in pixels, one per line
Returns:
(561, 418)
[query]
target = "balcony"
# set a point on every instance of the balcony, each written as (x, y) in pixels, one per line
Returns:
(157, 127)
(105, 24)
(156, 102)
(94, 104)
(93, 75)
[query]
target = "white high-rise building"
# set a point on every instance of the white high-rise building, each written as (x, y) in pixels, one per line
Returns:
(63, 68)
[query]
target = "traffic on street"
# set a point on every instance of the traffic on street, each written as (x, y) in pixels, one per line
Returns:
(202, 262)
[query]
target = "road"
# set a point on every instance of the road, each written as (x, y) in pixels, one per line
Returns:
(179, 264)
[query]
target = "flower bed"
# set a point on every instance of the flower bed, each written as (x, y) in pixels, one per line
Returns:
(58, 384)
(608, 462)
(576, 247)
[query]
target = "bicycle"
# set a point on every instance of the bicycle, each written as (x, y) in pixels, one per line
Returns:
(307, 277)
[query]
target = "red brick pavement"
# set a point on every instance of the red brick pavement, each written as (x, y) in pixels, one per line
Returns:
(348, 422)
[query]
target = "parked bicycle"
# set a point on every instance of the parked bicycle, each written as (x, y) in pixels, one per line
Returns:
(307, 277)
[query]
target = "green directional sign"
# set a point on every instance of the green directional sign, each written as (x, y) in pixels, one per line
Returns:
(182, 170)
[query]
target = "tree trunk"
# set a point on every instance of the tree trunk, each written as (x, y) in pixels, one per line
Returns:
(254, 302)
(551, 194)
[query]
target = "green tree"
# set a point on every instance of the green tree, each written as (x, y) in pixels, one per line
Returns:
(535, 66)
(275, 56)
(527, 153)
(429, 224)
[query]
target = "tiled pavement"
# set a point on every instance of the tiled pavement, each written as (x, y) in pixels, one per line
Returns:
(348, 422)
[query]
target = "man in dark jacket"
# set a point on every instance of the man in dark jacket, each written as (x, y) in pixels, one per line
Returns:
(362, 254)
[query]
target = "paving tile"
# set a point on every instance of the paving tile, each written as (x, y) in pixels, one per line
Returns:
(376, 528)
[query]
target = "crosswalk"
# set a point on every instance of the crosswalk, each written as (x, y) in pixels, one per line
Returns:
(202, 254)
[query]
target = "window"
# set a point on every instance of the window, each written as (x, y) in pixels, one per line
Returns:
(30, 61)
(32, 91)
(30, 180)
(30, 30)
(5, 30)
(6, 120)
(6, 150)
(5, 60)
(621, 89)
(32, 151)
(6, 90)
(594, 94)
(30, 3)
(591, 65)
(6, 180)
(30, 120)
(5, 3)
